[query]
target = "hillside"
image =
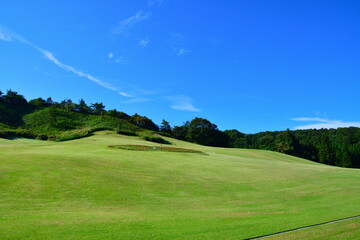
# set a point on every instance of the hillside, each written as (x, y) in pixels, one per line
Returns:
(62, 121)
(82, 189)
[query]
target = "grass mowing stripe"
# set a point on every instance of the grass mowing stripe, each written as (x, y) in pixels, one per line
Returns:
(301, 228)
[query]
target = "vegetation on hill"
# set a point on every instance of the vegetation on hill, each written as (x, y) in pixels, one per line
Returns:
(46, 119)
(338, 147)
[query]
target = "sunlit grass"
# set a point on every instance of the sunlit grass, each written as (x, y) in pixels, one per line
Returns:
(82, 189)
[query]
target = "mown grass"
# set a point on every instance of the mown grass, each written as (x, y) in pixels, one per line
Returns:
(347, 230)
(82, 189)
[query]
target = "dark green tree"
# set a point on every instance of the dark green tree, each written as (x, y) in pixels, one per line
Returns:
(82, 107)
(38, 102)
(179, 132)
(287, 143)
(342, 156)
(143, 122)
(165, 127)
(326, 150)
(97, 108)
(68, 105)
(50, 102)
(236, 139)
(12, 97)
(202, 131)
(115, 113)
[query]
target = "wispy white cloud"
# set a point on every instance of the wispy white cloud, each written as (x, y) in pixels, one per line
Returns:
(124, 94)
(181, 51)
(144, 42)
(125, 25)
(177, 42)
(179, 102)
(49, 56)
(319, 123)
(7, 35)
(182, 102)
(137, 100)
(117, 59)
(121, 60)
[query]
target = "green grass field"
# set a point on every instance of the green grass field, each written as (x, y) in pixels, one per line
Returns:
(82, 189)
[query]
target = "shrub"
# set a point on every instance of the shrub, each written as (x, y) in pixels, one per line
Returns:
(155, 139)
(42, 137)
(17, 133)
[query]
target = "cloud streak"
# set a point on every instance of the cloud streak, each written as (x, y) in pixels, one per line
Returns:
(182, 103)
(7, 35)
(177, 41)
(125, 25)
(319, 123)
(143, 42)
(178, 102)
(137, 100)
(181, 51)
(49, 56)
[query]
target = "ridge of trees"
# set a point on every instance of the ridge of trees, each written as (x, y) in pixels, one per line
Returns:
(338, 147)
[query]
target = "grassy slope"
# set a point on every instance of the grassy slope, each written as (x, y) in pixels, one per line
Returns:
(82, 189)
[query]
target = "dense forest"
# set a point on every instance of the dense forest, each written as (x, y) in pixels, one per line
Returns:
(46, 119)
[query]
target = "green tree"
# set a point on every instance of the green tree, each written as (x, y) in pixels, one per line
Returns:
(82, 107)
(326, 150)
(97, 108)
(38, 102)
(342, 158)
(14, 98)
(115, 113)
(236, 139)
(287, 143)
(50, 102)
(143, 122)
(202, 131)
(68, 105)
(180, 132)
(165, 127)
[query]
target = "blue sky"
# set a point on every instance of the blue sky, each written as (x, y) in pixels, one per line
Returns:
(250, 65)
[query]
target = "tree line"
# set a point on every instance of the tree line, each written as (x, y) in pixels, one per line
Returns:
(338, 147)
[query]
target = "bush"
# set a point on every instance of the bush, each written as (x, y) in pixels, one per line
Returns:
(155, 139)
(42, 137)
(17, 133)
